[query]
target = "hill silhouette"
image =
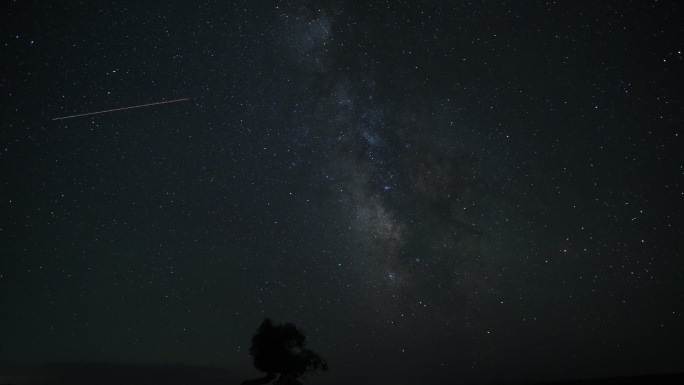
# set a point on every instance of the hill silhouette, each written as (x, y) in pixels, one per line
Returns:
(116, 374)
(646, 379)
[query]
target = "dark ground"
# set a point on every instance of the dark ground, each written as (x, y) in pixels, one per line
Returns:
(118, 374)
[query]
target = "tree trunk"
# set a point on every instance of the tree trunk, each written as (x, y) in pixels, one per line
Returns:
(287, 379)
(260, 381)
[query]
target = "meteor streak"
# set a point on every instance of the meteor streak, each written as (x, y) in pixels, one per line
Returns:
(123, 108)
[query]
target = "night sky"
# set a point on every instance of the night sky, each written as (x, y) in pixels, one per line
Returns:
(437, 192)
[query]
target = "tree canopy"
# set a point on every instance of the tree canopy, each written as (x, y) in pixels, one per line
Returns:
(279, 350)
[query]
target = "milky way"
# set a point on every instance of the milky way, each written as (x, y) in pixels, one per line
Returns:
(404, 179)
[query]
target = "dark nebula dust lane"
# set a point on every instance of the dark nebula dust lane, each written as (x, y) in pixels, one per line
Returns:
(436, 192)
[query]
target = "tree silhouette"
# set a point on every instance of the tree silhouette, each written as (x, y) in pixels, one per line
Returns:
(278, 351)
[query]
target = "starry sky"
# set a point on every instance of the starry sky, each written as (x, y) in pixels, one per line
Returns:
(435, 191)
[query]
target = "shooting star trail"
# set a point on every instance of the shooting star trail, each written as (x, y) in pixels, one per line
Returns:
(121, 109)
